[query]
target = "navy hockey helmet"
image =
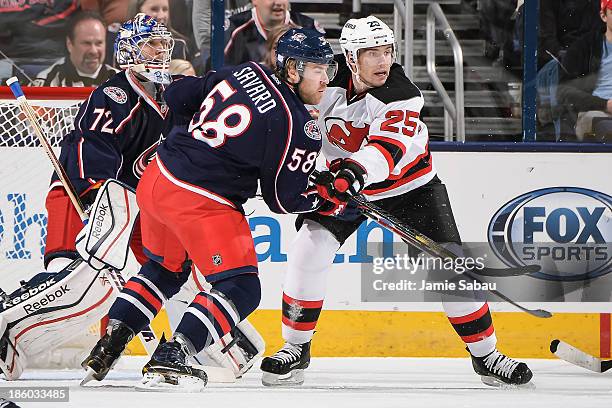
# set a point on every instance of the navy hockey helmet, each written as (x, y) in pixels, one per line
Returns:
(304, 45)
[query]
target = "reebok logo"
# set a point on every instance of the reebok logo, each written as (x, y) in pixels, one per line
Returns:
(99, 221)
(26, 294)
(48, 299)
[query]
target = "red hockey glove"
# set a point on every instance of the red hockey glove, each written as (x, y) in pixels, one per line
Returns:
(349, 178)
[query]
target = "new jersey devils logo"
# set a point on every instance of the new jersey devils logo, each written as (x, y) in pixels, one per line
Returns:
(344, 135)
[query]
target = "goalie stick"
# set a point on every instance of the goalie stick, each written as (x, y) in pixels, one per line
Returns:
(147, 336)
(429, 246)
(575, 356)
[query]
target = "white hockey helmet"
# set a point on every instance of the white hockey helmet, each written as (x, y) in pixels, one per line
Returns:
(367, 32)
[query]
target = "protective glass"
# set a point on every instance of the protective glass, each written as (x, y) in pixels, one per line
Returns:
(317, 72)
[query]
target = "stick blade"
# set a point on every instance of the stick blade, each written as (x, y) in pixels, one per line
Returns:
(541, 313)
(503, 272)
(572, 355)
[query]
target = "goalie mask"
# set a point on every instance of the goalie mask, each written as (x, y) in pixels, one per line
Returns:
(360, 33)
(145, 45)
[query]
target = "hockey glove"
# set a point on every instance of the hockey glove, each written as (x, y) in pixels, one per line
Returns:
(343, 179)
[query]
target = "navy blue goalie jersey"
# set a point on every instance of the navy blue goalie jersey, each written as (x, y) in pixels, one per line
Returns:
(116, 134)
(247, 126)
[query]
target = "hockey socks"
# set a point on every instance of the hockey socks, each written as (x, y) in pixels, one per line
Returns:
(212, 315)
(144, 294)
(476, 330)
(300, 318)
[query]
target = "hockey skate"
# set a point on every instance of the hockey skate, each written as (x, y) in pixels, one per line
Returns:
(498, 370)
(286, 366)
(107, 351)
(168, 369)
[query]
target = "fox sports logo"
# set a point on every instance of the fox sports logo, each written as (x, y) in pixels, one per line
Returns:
(565, 230)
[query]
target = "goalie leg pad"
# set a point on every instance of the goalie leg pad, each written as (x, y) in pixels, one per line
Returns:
(238, 350)
(41, 316)
(219, 311)
(105, 240)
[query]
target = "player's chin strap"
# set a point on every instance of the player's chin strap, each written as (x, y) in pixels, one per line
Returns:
(295, 87)
(349, 57)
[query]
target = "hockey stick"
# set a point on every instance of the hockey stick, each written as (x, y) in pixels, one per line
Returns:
(429, 246)
(575, 356)
(147, 336)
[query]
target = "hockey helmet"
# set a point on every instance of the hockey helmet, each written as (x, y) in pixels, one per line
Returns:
(145, 44)
(304, 45)
(367, 32)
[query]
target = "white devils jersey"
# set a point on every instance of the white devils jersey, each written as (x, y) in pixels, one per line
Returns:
(380, 129)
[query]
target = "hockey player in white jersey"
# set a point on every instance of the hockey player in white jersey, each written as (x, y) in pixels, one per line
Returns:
(375, 144)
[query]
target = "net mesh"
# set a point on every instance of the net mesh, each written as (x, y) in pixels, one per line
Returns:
(56, 118)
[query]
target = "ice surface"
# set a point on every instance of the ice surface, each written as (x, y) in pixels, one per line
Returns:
(345, 382)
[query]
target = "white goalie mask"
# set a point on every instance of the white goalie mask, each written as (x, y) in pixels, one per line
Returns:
(360, 33)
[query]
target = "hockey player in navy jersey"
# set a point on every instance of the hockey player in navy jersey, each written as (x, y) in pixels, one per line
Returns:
(248, 125)
(377, 145)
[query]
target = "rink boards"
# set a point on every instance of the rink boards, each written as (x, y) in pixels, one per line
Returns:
(481, 185)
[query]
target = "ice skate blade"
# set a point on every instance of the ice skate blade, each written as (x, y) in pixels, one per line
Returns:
(89, 375)
(156, 382)
(494, 382)
(295, 378)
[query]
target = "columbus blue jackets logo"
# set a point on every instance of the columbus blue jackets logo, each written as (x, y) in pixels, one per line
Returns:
(565, 230)
(312, 130)
(146, 157)
(116, 94)
(298, 37)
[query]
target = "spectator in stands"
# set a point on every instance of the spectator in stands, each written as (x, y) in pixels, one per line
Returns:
(112, 11)
(160, 10)
(34, 29)
(585, 89)
(181, 67)
(562, 22)
(84, 65)
(496, 23)
(201, 16)
(246, 36)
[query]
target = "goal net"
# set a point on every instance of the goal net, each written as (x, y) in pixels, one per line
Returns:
(25, 172)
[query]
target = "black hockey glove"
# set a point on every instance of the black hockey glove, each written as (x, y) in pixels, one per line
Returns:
(348, 179)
